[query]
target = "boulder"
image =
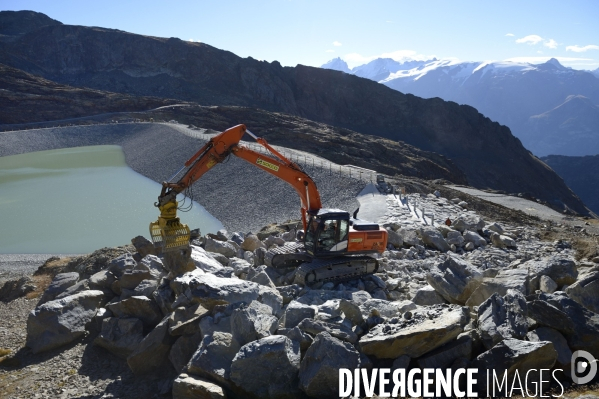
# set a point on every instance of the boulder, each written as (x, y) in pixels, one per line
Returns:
(145, 288)
(496, 227)
(152, 352)
(139, 307)
(454, 279)
(513, 355)
(59, 284)
(434, 239)
(585, 291)
(560, 268)
(501, 241)
(394, 238)
(210, 290)
(143, 246)
(214, 356)
(443, 357)
(410, 238)
(153, 265)
(474, 238)
(340, 331)
(455, 238)
(427, 296)
(251, 243)
(352, 312)
(564, 354)
(422, 333)
(502, 317)
(514, 279)
(472, 223)
(13, 289)
(178, 262)
(118, 265)
(208, 325)
(262, 278)
(183, 349)
(186, 321)
(386, 308)
(204, 261)
(319, 369)
(248, 325)
(120, 336)
(221, 247)
(102, 281)
(80, 286)
(131, 278)
(61, 321)
(304, 339)
(268, 368)
(296, 312)
(192, 387)
(164, 297)
(546, 284)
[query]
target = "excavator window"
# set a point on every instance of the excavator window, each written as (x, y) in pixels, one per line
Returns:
(333, 236)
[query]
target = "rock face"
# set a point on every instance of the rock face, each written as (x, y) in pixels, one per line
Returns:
(319, 370)
(454, 279)
(416, 336)
(120, 336)
(513, 355)
(585, 291)
(61, 321)
(268, 368)
(502, 317)
(514, 279)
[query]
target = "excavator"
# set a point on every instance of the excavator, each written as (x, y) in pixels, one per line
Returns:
(334, 247)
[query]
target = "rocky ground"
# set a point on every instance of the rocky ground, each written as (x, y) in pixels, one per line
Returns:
(457, 296)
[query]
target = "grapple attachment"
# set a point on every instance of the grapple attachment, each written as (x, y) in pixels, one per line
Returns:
(168, 232)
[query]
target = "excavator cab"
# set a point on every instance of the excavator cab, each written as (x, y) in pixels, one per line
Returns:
(327, 233)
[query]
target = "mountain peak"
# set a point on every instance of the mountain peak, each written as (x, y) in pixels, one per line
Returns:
(337, 64)
(20, 22)
(554, 63)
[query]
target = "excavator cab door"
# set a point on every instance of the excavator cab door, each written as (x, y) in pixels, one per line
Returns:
(327, 234)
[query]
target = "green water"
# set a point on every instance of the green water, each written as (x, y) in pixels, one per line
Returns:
(77, 200)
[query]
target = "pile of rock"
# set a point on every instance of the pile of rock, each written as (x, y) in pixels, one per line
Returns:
(230, 324)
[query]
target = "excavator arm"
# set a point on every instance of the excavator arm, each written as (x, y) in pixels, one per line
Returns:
(171, 234)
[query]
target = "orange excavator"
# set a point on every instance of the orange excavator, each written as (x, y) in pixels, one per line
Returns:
(334, 247)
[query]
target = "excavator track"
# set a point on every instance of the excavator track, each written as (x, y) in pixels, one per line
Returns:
(289, 255)
(338, 269)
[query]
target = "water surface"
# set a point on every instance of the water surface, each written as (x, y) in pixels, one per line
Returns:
(77, 200)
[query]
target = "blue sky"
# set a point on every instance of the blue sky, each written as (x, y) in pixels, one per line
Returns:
(311, 32)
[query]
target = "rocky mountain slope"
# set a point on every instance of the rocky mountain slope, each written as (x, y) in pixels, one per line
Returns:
(580, 174)
(29, 98)
(572, 128)
(508, 92)
(117, 61)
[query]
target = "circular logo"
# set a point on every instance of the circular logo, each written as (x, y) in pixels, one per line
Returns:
(583, 367)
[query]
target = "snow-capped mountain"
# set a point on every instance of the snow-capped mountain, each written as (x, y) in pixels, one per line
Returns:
(337, 64)
(507, 92)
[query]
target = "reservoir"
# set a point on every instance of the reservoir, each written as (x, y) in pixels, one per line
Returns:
(77, 200)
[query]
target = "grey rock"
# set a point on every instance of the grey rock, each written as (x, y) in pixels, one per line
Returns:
(501, 241)
(102, 280)
(427, 296)
(410, 238)
(304, 339)
(222, 259)
(263, 279)
(153, 265)
(386, 308)
(139, 307)
(13, 289)
(454, 238)
(315, 327)
(186, 321)
(208, 325)
(122, 263)
(443, 357)
(131, 278)
(145, 288)
(248, 325)
(474, 238)
(564, 354)
(214, 356)
(561, 269)
(496, 227)
(434, 239)
(164, 297)
(222, 247)
(546, 284)
(178, 262)
(394, 238)
(401, 362)
(585, 291)
(454, 279)
(80, 286)
(152, 352)
(183, 349)
(268, 368)
(319, 369)
(59, 284)
(143, 246)
(61, 321)
(193, 387)
(472, 223)
(352, 312)
(416, 336)
(251, 243)
(296, 312)
(502, 317)
(515, 279)
(202, 260)
(120, 336)
(513, 355)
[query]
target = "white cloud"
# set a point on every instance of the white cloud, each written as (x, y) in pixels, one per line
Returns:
(550, 43)
(336, 43)
(539, 52)
(578, 49)
(530, 39)
(330, 51)
(509, 34)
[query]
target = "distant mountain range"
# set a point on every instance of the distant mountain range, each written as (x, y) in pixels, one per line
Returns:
(119, 62)
(519, 95)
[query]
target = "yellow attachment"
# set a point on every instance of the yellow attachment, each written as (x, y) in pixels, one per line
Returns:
(168, 232)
